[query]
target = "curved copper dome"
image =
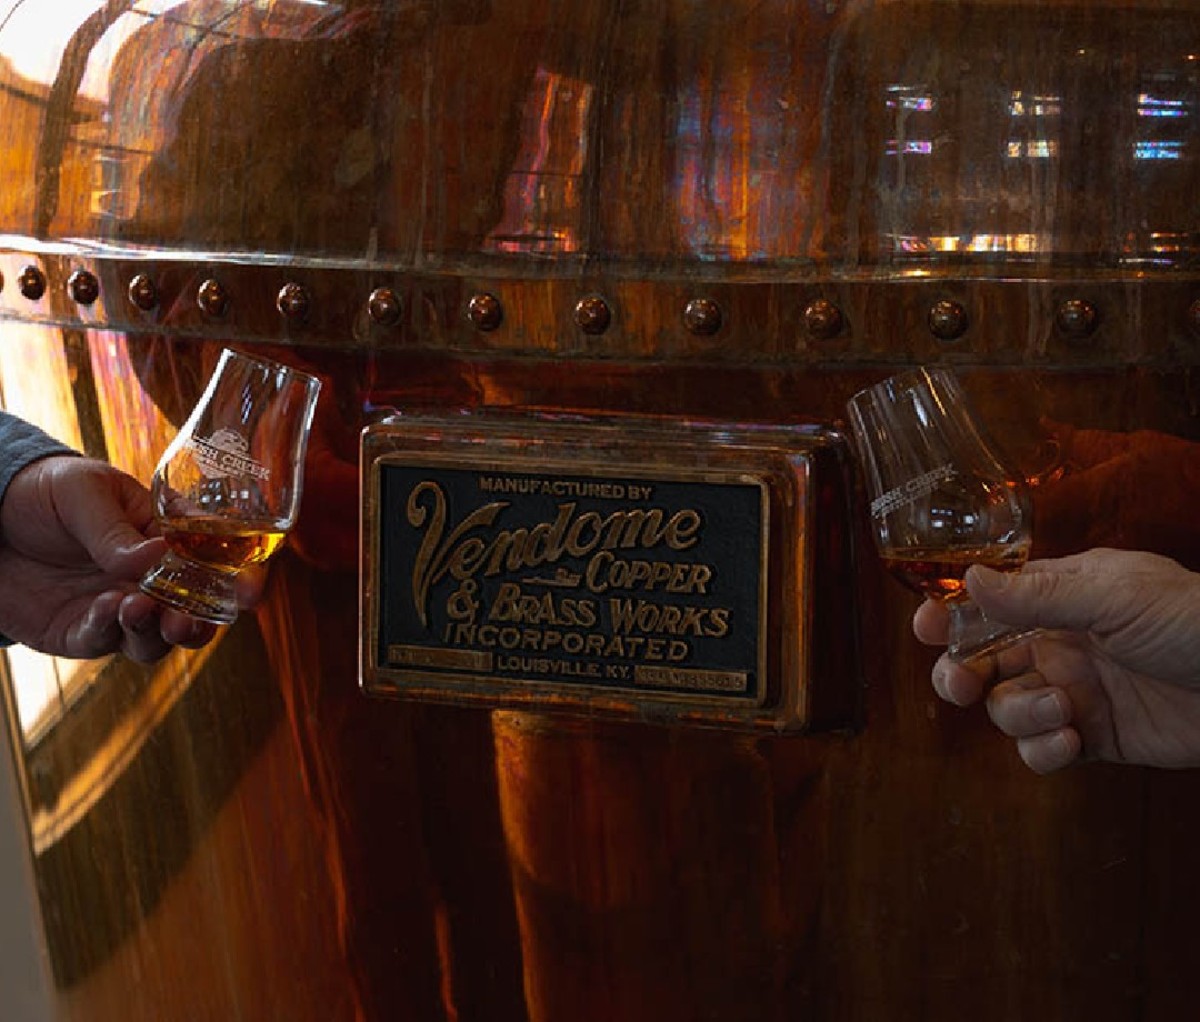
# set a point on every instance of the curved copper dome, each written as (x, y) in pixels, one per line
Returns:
(735, 181)
(788, 137)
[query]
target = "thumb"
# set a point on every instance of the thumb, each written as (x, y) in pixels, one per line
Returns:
(1045, 599)
(106, 525)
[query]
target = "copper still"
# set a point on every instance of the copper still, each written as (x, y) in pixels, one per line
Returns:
(594, 240)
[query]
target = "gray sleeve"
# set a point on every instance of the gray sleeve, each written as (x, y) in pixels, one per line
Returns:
(22, 443)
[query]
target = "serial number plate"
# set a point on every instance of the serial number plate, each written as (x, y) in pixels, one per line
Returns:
(570, 577)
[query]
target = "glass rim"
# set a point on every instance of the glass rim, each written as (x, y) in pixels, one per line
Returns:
(269, 363)
(898, 380)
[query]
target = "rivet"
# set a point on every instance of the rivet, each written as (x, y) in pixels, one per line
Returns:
(1077, 318)
(143, 292)
(592, 315)
(83, 287)
(485, 311)
(702, 316)
(1194, 315)
(947, 320)
(212, 298)
(823, 320)
(32, 283)
(384, 306)
(293, 301)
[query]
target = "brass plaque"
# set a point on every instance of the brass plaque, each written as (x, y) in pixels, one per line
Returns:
(617, 572)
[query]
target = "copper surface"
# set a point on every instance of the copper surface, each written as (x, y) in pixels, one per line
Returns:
(246, 835)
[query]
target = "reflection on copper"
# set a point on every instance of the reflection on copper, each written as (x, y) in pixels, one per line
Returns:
(136, 431)
(1016, 244)
(75, 795)
(543, 192)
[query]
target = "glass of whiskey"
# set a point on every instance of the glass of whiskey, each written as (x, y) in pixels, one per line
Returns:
(227, 489)
(941, 497)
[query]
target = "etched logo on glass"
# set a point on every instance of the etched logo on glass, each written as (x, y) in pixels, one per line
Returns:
(225, 453)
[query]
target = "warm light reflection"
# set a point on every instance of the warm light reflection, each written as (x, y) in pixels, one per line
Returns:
(33, 45)
(1033, 149)
(1019, 244)
(542, 200)
(1020, 105)
(135, 430)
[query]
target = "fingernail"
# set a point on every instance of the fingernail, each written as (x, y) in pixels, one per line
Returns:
(988, 578)
(1060, 746)
(1047, 710)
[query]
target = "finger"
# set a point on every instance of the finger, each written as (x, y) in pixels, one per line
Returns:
(142, 640)
(250, 584)
(962, 684)
(1052, 751)
(182, 630)
(1026, 706)
(931, 623)
(1047, 596)
(98, 632)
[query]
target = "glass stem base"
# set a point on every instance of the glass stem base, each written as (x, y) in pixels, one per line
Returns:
(193, 588)
(973, 634)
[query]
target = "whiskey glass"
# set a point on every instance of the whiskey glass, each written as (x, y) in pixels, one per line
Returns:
(227, 489)
(941, 498)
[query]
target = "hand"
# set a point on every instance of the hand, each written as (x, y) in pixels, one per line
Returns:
(1119, 677)
(73, 545)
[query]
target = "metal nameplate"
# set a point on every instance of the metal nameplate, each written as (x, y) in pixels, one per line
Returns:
(570, 576)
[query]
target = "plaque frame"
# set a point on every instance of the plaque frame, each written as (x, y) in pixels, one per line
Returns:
(778, 463)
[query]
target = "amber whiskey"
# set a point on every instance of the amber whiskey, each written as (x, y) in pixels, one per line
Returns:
(940, 573)
(222, 543)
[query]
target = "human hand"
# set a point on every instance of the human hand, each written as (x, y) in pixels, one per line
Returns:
(73, 544)
(1117, 675)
